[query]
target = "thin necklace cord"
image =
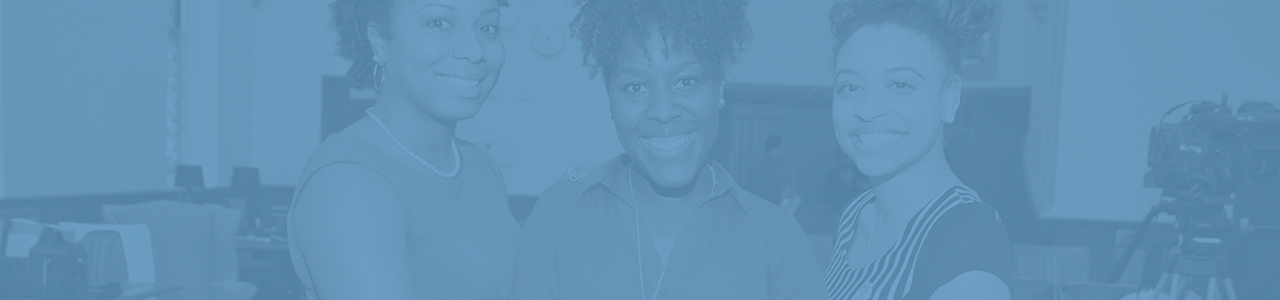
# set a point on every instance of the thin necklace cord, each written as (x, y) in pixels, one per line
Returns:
(639, 261)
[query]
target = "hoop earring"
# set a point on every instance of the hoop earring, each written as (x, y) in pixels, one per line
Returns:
(722, 94)
(377, 78)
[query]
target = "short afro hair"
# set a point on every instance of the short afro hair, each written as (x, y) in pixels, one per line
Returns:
(717, 31)
(350, 20)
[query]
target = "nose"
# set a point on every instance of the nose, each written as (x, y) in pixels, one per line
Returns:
(870, 108)
(469, 49)
(663, 107)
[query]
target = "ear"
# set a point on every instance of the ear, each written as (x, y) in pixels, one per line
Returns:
(377, 42)
(951, 98)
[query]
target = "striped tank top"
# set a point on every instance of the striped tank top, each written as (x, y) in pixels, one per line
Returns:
(952, 234)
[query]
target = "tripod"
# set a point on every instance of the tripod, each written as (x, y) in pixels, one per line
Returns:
(1184, 269)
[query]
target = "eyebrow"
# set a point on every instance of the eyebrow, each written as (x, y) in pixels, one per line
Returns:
(688, 63)
(436, 5)
(852, 72)
(913, 70)
(634, 70)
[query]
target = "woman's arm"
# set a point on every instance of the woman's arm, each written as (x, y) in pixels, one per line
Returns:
(351, 229)
(973, 285)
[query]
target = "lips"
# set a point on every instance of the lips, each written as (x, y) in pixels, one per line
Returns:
(875, 140)
(878, 138)
(667, 140)
(455, 81)
(669, 143)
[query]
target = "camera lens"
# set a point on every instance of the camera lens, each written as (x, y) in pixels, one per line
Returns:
(1263, 166)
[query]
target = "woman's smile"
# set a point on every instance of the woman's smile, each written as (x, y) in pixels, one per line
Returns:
(871, 140)
(464, 86)
(668, 143)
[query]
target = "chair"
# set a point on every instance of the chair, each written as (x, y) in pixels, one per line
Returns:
(194, 246)
(115, 252)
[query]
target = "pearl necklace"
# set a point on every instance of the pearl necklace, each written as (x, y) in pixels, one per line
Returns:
(453, 145)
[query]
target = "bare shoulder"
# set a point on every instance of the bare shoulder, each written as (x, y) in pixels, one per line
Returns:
(973, 285)
(346, 194)
(351, 228)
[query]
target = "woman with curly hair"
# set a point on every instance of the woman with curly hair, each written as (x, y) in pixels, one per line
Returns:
(919, 233)
(394, 206)
(662, 220)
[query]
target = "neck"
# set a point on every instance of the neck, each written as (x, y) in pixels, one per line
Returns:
(417, 130)
(696, 190)
(902, 194)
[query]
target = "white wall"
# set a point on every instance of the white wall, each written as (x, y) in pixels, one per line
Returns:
(292, 48)
(87, 113)
(1126, 62)
(216, 77)
(792, 44)
(569, 112)
(1, 100)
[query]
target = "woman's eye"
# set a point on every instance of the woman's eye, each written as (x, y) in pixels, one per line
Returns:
(687, 82)
(848, 90)
(901, 85)
(489, 29)
(442, 24)
(635, 88)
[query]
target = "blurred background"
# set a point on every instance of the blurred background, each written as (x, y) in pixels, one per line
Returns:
(114, 112)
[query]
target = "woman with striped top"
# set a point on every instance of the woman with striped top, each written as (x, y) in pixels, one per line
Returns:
(919, 233)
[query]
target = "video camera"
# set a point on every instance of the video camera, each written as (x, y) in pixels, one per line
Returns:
(1212, 158)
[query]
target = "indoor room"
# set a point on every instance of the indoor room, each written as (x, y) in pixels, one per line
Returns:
(265, 149)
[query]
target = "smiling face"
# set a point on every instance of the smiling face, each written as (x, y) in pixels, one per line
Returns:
(893, 95)
(666, 109)
(442, 55)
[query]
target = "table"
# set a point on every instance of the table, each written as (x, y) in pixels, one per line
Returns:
(134, 291)
(144, 291)
(269, 267)
(244, 245)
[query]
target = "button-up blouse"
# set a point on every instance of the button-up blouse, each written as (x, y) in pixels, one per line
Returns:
(580, 242)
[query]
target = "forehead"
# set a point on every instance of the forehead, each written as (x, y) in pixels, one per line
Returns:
(876, 48)
(633, 56)
(472, 6)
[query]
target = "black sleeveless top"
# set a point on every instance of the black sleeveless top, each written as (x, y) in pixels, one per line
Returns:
(953, 234)
(461, 234)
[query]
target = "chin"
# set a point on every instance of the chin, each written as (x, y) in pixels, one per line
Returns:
(877, 167)
(668, 172)
(454, 109)
(879, 161)
(671, 176)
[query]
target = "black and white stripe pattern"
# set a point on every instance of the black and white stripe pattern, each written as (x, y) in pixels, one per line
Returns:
(890, 276)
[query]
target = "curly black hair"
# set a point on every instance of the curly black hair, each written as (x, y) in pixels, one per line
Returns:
(717, 31)
(949, 24)
(350, 18)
